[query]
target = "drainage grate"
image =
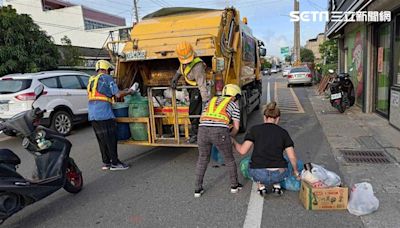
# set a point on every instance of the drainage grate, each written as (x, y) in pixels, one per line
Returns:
(358, 156)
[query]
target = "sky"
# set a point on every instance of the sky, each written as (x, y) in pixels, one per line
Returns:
(269, 19)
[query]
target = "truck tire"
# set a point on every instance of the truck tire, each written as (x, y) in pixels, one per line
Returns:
(243, 115)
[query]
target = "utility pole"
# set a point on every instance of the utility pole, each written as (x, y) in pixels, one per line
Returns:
(296, 45)
(135, 10)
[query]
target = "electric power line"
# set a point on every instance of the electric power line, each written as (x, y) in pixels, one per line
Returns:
(316, 6)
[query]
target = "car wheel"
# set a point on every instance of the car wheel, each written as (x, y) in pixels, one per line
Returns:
(62, 122)
(288, 85)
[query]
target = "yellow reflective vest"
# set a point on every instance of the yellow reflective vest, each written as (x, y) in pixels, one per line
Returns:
(93, 94)
(188, 69)
(217, 113)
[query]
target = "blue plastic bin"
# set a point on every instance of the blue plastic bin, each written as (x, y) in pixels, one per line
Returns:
(120, 109)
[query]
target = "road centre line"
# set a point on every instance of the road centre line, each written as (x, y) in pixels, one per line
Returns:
(256, 202)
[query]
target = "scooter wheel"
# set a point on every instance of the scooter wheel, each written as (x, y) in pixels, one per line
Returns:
(340, 108)
(74, 179)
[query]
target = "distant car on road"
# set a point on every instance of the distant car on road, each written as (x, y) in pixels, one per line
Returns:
(64, 98)
(274, 70)
(299, 75)
(286, 71)
(266, 71)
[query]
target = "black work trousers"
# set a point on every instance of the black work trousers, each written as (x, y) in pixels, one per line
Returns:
(106, 133)
(195, 108)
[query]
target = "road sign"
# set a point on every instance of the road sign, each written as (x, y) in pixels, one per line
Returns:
(285, 50)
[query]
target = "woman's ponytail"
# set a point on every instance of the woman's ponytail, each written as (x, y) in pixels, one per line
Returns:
(271, 110)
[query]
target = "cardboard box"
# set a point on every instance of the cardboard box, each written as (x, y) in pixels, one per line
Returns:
(323, 198)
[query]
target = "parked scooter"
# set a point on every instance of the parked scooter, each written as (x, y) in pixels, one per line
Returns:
(342, 91)
(55, 169)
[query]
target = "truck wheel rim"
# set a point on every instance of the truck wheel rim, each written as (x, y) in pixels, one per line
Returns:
(63, 123)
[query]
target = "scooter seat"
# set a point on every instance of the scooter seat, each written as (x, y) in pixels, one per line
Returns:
(8, 157)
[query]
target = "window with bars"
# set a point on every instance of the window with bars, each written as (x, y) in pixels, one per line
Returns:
(95, 25)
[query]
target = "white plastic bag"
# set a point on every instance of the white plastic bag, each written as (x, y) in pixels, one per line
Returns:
(362, 199)
(329, 178)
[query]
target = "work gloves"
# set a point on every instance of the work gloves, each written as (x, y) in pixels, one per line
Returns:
(174, 82)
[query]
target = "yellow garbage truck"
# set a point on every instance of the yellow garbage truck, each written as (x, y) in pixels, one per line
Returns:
(219, 37)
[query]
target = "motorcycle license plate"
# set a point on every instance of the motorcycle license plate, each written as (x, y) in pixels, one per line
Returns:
(336, 96)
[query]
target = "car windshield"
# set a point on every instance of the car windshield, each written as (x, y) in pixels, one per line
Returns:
(299, 69)
(13, 86)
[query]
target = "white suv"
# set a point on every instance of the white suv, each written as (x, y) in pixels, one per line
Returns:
(64, 98)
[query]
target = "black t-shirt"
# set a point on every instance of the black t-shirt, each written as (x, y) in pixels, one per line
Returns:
(270, 141)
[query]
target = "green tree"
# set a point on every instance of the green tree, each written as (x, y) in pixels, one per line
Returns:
(306, 55)
(288, 58)
(266, 64)
(329, 50)
(70, 54)
(23, 46)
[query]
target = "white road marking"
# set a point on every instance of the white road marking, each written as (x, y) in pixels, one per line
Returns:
(256, 203)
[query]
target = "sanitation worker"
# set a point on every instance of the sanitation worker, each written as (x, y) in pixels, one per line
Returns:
(214, 130)
(194, 71)
(101, 90)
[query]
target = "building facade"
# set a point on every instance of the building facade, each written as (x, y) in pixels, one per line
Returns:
(313, 45)
(85, 27)
(370, 52)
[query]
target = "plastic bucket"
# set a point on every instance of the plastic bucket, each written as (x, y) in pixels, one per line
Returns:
(121, 110)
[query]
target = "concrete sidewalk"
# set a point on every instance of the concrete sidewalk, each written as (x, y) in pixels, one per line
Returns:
(354, 130)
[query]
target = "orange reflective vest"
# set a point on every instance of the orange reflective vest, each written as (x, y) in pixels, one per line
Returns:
(217, 113)
(93, 94)
(187, 70)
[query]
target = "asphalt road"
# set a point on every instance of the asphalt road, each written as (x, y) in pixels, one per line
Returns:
(157, 191)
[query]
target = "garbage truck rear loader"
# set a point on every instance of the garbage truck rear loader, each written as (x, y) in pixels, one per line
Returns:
(219, 38)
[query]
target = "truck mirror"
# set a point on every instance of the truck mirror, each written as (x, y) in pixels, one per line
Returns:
(263, 51)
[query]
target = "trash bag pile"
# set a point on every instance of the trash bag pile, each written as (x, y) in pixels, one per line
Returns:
(319, 177)
(362, 199)
(291, 183)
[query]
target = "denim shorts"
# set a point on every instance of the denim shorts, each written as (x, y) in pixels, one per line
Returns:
(268, 177)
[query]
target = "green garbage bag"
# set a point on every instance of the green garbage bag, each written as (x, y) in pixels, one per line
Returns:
(244, 166)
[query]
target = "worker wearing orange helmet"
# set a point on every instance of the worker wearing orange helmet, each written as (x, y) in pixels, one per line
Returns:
(194, 71)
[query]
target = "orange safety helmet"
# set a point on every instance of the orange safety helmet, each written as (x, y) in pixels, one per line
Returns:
(185, 52)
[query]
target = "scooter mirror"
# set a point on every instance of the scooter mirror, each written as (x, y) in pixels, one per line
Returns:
(331, 71)
(39, 90)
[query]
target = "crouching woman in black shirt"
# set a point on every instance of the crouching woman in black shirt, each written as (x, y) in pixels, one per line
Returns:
(269, 141)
